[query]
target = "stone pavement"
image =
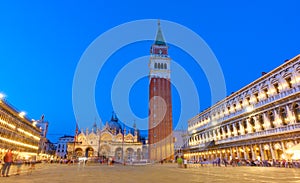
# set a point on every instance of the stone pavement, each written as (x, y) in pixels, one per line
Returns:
(61, 173)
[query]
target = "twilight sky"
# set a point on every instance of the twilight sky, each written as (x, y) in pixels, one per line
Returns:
(42, 44)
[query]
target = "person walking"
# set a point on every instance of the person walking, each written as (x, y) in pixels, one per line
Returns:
(8, 159)
(19, 163)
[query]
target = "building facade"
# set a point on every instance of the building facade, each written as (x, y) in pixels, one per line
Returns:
(62, 146)
(17, 133)
(113, 141)
(258, 122)
(179, 141)
(160, 136)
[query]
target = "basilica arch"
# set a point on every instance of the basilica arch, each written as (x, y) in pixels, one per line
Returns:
(129, 154)
(139, 154)
(118, 154)
(79, 152)
(105, 151)
(89, 152)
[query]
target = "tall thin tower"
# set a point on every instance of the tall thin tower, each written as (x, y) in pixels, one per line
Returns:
(160, 136)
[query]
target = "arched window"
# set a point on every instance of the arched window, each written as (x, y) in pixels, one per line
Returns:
(271, 118)
(165, 66)
(158, 65)
(237, 126)
(296, 110)
(252, 122)
(155, 65)
(261, 121)
(276, 86)
(283, 115)
(289, 81)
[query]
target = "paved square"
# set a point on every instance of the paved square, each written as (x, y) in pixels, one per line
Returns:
(151, 173)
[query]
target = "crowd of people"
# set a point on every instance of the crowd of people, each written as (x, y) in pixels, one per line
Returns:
(242, 162)
(9, 160)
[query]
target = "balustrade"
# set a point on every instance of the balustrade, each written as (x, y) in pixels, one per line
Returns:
(273, 131)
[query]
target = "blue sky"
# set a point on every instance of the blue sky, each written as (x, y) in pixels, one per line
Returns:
(41, 44)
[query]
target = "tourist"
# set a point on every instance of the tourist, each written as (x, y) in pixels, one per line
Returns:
(218, 163)
(225, 162)
(19, 163)
(179, 161)
(185, 162)
(8, 159)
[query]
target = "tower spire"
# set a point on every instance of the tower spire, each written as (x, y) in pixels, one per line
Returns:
(159, 36)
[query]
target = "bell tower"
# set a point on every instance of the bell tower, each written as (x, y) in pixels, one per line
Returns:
(160, 137)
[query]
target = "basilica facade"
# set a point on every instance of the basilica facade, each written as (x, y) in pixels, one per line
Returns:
(258, 122)
(113, 141)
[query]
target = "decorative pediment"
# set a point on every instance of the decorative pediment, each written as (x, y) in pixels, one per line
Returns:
(119, 137)
(106, 136)
(129, 138)
(92, 136)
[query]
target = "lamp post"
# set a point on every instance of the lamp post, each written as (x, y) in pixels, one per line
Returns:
(123, 159)
(99, 142)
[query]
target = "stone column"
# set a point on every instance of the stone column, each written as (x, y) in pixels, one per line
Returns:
(219, 134)
(235, 133)
(242, 128)
(231, 153)
(267, 124)
(206, 137)
(237, 152)
(245, 153)
(249, 126)
(290, 115)
(257, 124)
(277, 119)
(223, 133)
(253, 153)
(272, 151)
(228, 131)
(262, 154)
(214, 135)
(282, 146)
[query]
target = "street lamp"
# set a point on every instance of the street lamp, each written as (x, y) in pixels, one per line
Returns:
(22, 114)
(1, 96)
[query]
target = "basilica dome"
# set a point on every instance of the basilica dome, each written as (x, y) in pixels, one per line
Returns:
(114, 124)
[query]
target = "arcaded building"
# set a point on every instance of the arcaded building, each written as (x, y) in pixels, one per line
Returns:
(17, 133)
(259, 121)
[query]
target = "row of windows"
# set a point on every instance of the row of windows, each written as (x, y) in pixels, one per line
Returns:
(239, 103)
(13, 122)
(251, 125)
(160, 65)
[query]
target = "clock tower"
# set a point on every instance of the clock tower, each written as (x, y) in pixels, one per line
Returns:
(160, 137)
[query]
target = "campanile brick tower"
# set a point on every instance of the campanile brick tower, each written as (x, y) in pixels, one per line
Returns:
(160, 136)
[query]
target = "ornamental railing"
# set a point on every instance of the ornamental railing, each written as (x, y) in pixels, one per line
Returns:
(269, 132)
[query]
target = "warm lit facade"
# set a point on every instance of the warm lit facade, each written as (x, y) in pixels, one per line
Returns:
(17, 133)
(160, 136)
(113, 141)
(260, 121)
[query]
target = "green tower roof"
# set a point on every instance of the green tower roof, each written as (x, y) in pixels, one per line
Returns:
(159, 36)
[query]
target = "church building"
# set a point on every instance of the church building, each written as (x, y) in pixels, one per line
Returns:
(113, 141)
